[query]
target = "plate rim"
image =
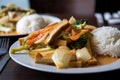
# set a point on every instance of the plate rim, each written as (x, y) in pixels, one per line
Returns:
(97, 69)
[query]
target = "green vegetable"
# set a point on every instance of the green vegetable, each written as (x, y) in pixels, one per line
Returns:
(79, 24)
(81, 42)
(18, 49)
(23, 47)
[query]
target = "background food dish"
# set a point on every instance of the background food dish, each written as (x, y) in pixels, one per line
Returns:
(49, 17)
(24, 60)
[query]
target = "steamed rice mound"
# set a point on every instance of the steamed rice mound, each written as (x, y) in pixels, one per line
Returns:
(106, 41)
(30, 23)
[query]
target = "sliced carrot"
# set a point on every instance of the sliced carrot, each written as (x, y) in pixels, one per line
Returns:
(77, 36)
(36, 33)
(31, 41)
(74, 32)
(49, 27)
(39, 33)
(69, 28)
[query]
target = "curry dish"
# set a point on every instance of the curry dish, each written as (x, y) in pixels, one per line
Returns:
(64, 44)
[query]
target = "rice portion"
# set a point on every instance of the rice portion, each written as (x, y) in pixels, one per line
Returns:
(30, 23)
(106, 41)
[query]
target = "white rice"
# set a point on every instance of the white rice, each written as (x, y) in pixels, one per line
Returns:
(30, 23)
(106, 41)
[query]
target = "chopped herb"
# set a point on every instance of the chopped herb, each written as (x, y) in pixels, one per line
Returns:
(79, 24)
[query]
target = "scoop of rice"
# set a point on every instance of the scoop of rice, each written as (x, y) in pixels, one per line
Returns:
(30, 23)
(106, 41)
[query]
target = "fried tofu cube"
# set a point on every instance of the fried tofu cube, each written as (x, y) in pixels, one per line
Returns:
(76, 63)
(61, 57)
(61, 43)
(38, 58)
(83, 54)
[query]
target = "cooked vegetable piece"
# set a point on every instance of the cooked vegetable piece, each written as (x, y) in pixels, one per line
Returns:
(91, 27)
(77, 36)
(79, 24)
(81, 42)
(60, 42)
(83, 54)
(23, 46)
(56, 30)
(64, 35)
(47, 48)
(61, 57)
(39, 59)
(33, 37)
(13, 50)
(72, 20)
(41, 40)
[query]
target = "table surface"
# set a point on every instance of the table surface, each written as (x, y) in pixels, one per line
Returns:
(14, 71)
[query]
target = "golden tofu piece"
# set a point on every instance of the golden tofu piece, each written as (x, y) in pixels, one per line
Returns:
(76, 64)
(56, 30)
(83, 54)
(39, 59)
(62, 57)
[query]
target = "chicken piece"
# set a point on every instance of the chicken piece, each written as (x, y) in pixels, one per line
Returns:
(56, 30)
(61, 57)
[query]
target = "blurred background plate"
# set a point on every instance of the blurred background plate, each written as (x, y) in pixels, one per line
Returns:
(50, 18)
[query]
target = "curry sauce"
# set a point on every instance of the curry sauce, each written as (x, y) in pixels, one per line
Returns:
(103, 60)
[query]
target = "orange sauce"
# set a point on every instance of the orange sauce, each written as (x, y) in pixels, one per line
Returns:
(103, 60)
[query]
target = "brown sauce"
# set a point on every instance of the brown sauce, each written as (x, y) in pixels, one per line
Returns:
(104, 60)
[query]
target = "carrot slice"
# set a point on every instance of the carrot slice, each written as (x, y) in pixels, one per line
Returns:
(77, 36)
(31, 41)
(69, 28)
(34, 34)
(39, 33)
(49, 27)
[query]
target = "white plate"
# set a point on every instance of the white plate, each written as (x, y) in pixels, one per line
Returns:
(52, 19)
(25, 60)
